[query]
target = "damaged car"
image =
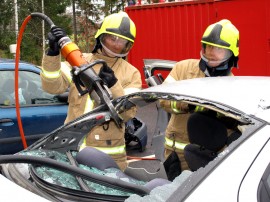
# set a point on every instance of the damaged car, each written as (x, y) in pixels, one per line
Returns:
(239, 165)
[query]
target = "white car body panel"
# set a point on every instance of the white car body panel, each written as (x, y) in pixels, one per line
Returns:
(221, 186)
(249, 188)
(218, 88)
(13, 192)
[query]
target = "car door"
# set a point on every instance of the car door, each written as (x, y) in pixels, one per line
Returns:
(156, 70)
(256, 184)
(40, 112)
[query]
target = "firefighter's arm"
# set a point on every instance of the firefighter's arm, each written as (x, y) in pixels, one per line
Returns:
(55, 80)
(135, 82)
(134, 85)
(175, 107)
(117, 90)
(129, 114)
(172, 106)
(127, 110)
(107, 75)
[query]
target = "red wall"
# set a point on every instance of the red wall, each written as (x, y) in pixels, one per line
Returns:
(172, 31)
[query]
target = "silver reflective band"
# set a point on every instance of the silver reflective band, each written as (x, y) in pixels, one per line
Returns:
(177, 145)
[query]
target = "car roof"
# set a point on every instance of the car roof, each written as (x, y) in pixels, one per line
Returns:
(248, 94)
(9, 64)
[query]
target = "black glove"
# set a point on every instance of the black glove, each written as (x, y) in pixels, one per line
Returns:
(107, 75)
(54, 35)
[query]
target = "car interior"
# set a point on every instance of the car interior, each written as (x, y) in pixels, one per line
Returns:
(30, 90)
(208, 135)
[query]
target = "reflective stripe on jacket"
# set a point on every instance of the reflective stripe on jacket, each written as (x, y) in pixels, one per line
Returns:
(51, 75)
(199, 109)
(174, 144)
(174, 107)
(89, 105)
(65, 69)
(107, 150)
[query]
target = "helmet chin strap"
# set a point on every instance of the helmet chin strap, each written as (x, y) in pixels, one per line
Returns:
(222, 67)
(97, 46)
(222, 70)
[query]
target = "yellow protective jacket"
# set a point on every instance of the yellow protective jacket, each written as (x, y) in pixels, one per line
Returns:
(109, 138)
(186, 69)
(176, 132)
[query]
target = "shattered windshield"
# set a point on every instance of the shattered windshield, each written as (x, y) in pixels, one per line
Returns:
(56, 177)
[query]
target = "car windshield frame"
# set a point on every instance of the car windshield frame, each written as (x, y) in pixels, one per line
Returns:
(144, 98)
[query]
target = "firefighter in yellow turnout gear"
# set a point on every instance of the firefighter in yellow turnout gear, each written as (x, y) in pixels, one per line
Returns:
(114, 40)
(219, 53)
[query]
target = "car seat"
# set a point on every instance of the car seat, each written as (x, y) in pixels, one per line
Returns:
(207, 135)
(7, 90)
(93, 157)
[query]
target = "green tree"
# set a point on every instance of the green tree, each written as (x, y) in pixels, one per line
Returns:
(32, 42)
(31, 46)
(7, 34)
(113, 6)
(89, 15)
(90, 18)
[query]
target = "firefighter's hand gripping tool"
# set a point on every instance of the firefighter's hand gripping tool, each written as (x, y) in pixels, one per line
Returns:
(87, 76)
(83, 73)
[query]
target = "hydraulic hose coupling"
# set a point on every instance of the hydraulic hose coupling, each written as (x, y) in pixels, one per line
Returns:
(71, 52)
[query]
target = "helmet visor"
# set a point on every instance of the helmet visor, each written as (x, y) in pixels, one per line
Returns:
(115, 45)
(214, 56)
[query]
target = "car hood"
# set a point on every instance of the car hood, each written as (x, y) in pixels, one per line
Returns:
(247, 94)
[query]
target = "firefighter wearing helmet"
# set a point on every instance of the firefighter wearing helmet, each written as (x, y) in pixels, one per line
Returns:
(219, 54)
(114, 40)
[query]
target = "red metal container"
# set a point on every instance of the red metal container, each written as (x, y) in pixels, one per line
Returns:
(173, 30)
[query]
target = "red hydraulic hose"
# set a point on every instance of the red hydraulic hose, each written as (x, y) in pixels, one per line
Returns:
(17, 58)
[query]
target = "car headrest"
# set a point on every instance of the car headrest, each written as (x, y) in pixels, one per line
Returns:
(206, 131)
(93, 157)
